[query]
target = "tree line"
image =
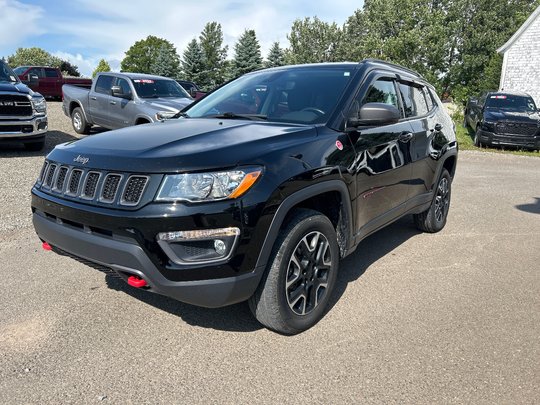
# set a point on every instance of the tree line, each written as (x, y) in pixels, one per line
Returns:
(450, 42)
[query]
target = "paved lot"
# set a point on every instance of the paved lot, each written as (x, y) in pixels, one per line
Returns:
(446, 318)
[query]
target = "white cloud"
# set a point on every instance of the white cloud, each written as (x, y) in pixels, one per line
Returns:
(18, 21)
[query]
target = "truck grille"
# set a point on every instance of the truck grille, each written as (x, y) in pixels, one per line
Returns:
(516, 128)
(92, 185)
(12, 105)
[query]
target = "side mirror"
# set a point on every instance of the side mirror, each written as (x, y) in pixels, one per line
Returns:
(375, 114)
(192, 92)
(118, 92)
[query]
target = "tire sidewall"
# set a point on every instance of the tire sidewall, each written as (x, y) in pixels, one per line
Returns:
(315, 223)
(77, 111)
(438, 225)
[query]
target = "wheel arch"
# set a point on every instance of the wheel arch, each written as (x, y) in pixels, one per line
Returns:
(75, 104)
(320, 197)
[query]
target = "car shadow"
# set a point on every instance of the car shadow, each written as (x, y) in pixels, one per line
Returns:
(238, 317)
(533, 208)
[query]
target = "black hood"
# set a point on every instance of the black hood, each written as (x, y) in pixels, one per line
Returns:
(495, 115)
(182, 145)
(12, 87)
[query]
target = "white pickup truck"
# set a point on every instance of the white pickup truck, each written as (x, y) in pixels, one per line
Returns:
(118, 100)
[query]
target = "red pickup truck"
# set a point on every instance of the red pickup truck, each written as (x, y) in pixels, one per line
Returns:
(48, 81)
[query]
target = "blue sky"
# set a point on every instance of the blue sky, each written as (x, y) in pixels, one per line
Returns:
(83, 32)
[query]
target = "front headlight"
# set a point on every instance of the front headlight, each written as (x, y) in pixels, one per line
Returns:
(165, 115)
(488, 126)
(39, 104)
(196, 187)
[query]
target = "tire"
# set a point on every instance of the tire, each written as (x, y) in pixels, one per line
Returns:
(34, 146)
(293, 294)
(79, 122)
(434, 218)
(477, 142)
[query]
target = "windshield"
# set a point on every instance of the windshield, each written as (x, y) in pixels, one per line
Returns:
(20, 70)
(511, 103)
(300, 95)
(154, 88)
(6, 75)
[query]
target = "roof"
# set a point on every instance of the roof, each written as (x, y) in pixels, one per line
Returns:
(139, 75)
(508, 93)
(520, 31)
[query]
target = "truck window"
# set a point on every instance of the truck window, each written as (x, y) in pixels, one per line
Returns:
(124, 85)
(104, 84)
(382, 91)
(35, 71)
(51, 73)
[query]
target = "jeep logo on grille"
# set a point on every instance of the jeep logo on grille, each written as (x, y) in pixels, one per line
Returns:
(81, 159)
(7, 103)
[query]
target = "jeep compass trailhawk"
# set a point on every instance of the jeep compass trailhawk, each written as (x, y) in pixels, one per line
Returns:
(256, 191)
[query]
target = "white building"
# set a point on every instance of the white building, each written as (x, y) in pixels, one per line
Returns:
(521, 63)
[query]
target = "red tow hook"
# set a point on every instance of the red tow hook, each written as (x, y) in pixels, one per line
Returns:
(136, 282)
(46, 246)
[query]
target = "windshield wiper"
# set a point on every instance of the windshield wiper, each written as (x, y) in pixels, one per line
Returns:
(231, 115)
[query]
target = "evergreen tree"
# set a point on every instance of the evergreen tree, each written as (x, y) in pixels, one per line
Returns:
(247, 54)
(103, 66)
(192, 63)
(166, 63)
(140, 57)
(214, 56)
(276, 56)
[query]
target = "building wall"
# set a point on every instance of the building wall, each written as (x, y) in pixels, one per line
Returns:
(521, 68)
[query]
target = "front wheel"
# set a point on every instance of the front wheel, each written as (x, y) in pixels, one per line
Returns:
(434, 218)
(299, 281)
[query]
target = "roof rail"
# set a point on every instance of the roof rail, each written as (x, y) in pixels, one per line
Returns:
(393, 65)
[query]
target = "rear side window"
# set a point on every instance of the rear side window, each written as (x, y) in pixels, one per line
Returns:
(414, 101)
(104, 84)
(429, 99)
(50, 73)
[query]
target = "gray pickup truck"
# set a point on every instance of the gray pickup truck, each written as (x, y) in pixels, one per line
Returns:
(118, 100)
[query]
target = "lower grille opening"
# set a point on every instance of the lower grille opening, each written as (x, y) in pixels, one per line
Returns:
(103, 269)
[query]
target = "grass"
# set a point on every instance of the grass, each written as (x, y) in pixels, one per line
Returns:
(465, 138)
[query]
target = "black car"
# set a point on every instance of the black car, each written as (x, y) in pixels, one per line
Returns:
(257, 190)
(505, 119)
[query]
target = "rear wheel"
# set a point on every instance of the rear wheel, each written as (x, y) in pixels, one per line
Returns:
(477, 137)
(434, 218)
(79, 122)
(299, 281)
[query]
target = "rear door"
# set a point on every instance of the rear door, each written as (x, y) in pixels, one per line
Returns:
(383, 164)
(99, 100)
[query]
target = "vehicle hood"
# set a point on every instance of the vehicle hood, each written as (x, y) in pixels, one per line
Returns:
(182, 145)
(493, 115)
(15, 88)
(167, 104)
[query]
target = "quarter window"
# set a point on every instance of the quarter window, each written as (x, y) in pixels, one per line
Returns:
(104, 84)
(414, 101)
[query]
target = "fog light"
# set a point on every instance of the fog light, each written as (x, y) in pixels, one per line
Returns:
(220, 247)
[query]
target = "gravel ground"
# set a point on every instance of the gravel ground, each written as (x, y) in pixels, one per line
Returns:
(452, 317)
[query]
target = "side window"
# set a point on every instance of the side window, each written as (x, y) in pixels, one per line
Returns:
(124, 85)
(381, 91)
(414, 101)
(104, 84)
(429, 99)
(35, 71)
(50, 73)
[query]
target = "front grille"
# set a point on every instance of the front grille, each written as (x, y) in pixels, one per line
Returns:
(516, 128)
(93, 186)
(15, 105)
(23, 129)
(134, 190)
(90, 185)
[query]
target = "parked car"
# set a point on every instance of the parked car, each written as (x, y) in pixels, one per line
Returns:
(23, 112)
(118, 100)
(192, 89)
(258, 190)
(505, 119)
(48, 80)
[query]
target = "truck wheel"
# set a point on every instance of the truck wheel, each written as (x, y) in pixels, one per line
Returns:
(477, 139)
(79, 122)
(299, 281)
(34, 146)
(434, 218)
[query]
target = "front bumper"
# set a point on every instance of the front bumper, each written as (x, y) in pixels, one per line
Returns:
(491, 138)
(126, 258)
(21, 129)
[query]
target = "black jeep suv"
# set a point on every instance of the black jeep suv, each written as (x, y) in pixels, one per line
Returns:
(256, 191)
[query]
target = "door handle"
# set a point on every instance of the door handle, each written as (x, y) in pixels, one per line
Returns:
(405, 136)
(93, 98)
(112, 102)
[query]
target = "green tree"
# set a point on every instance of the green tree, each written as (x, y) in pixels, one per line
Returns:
(313, 40)
(33, 57)
(166, 63)
(68, 69)
(276, 56)
(103, 66)
(247, 56)
(140, 57)
(214, 56)
(192, 63)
